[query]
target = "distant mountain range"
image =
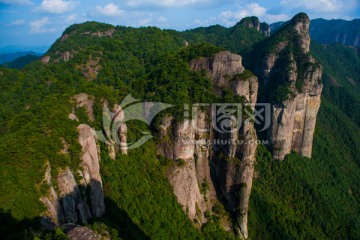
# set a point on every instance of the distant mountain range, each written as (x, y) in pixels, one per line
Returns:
(8, 57)
(331, 31)
(21, 62)
(23, 48)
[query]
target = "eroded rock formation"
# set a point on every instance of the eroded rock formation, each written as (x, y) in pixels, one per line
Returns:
(71, 201)
(75, 232)
(294, 72)
(253, 22)
(202, 163)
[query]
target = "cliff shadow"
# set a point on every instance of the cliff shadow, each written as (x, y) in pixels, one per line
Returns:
(12, 229)
(119, 219)
(81, 206)
(89, 203)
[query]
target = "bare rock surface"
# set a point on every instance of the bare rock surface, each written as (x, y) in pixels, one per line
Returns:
(293, 120)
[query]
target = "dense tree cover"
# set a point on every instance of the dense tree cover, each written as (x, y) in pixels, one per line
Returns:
(332, 31)
(301, 198)
(341, 76)
(137, 184)
(316, 198)
(148, 63)
(237, 39)
(21, 62)
(294, 199)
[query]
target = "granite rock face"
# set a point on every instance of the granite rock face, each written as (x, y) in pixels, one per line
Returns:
(225, 70)
(71, 201)
(294, 118)
(75, 232)
(85, 101)
(183, 175)
(219, 67)
(253, 22)
(201, 164)
(54, 213)
(90, 169)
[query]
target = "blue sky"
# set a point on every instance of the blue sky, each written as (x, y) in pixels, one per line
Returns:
(41, 22)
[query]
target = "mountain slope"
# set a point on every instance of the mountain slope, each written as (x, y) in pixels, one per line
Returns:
(21, 62)
(35, 120)
(331, 31)
(336, 31)
(8, 57)
(93, 65)
(341, 77)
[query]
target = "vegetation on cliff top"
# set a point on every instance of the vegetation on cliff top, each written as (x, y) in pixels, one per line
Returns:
(294, 199)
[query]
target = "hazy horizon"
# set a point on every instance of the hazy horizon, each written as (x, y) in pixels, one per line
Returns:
(41, 22)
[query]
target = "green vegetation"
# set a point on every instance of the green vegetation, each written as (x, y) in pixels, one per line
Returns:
(237, 39)
(199, 51)
(316, 198)
(21, 62)
(341, 77)
(244, 76)
(34, 118)
(298, 198)
(332, 31)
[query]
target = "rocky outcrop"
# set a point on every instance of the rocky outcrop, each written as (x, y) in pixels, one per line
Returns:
(226, 70)
(183, 175)
(233, 156)
(107, 33)
(71, 201)
(220, 67)
(85, 101)
(75, 232)
(293, 117)
(75, 209)
(253, 22)
(207, 158)
(45, 59)
(66, 56)
(54, 214)
(64, 37)
(116, 132)
(90, 169)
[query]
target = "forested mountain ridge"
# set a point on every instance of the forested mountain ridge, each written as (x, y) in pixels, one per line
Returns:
(51, 106)
(332, 31)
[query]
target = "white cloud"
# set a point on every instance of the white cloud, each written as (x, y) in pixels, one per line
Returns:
(207, 22)
(318, 5)
(110, 10)
(17, 2)
(253, 9)
(17, 22)
(71, 18)
(276, 18)
(39, 26)
(56, 6)
(162, 19)
(145, 21)
(166, 3)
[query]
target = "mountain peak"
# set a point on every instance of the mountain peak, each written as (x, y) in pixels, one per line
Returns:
(301, 23)
(253, 22)
(90, 26)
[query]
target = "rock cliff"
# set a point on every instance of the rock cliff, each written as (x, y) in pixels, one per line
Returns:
(294, 79)
(68, 200)
(202, 163)
(253, 22)
(75, 232)
(178, 144)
